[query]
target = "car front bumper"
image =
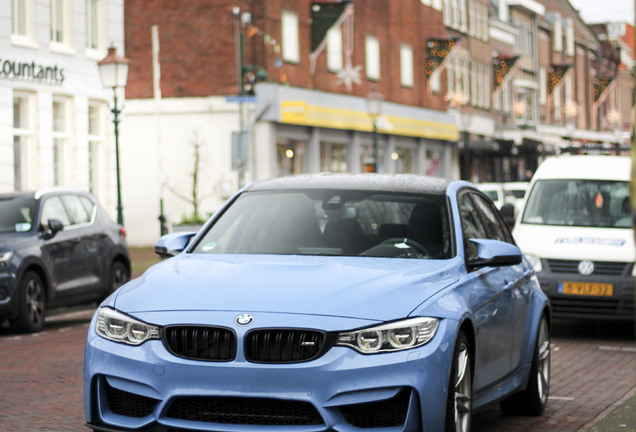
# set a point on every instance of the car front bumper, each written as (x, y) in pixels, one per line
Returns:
(148, 388)
(617, 306)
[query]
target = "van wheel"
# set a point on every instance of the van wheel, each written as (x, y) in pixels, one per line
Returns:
(31, 307)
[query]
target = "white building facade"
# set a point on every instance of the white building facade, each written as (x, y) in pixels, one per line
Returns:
(55, 120)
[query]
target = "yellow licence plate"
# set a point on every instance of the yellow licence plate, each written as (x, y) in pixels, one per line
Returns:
(586, 289)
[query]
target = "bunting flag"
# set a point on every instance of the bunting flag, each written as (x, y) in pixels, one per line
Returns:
(502, 67)
(437, 52)
(325, 15)
(600, 89)
(556, 74)
(268, 42)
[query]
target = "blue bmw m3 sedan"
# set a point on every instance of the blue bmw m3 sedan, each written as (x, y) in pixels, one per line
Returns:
(327, 302)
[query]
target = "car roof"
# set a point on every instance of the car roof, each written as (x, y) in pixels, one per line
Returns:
(40, 193)
(405, 183)
(585, 167)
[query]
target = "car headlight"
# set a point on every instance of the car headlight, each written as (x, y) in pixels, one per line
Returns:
(394, 336)
(5, 257)
(535, 261)
(117, 327)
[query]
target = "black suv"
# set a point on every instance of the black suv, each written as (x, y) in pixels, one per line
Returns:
(57, 248)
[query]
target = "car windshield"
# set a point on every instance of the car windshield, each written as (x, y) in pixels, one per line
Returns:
(16, 215)
(332, 222)
(591, 203)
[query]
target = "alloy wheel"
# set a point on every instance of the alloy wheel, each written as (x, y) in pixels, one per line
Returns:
(463, 389)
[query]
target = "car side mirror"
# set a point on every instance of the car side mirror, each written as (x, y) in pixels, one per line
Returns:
(55, 226)
(494, 253)
(508, 213)
(170, 245)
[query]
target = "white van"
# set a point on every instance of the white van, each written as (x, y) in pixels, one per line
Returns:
(576, 228)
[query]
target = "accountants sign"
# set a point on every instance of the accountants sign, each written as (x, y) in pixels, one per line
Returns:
(31, 71)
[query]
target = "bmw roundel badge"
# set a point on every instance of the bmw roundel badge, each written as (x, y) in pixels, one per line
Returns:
(244, 319)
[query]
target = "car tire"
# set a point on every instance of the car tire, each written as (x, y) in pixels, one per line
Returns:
(119, 275)
(32, 304)
(460, 388)
(533, 400)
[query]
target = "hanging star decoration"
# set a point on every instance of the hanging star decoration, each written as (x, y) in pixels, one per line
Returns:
(349, 75)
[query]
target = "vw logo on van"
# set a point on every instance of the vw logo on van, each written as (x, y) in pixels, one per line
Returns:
(244, 319)
(586, 268)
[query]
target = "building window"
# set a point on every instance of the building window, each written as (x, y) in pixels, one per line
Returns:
(367, 158)
(291, 156)
(485, 23)
(435, 82)
(543, 86)
(433, 163)
(569, 36)
(23, 126)
(96, 139)
(372, 54)
(22, 32)
(471, 17)
(558, 33)
(447, 13)
(95, 24)
(403, 160)
(291, 50)
(333, 157)
(406, 65)
(334, 50)
(61, 139)
(556, 97)
(463, 17)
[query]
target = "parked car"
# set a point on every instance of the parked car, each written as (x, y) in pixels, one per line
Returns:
(57, 248)
(576, 228)
(497, 193)
(503, 193)
(326, 302)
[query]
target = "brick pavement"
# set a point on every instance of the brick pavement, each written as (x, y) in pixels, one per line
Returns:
(593, 377)
(589, 376)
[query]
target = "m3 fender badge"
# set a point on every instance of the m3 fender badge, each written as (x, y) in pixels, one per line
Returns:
(244, 319)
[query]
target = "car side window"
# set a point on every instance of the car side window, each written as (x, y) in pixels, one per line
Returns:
(495, 230)
(88, 205)
(471, 224)
(78, 212)
(53, 209)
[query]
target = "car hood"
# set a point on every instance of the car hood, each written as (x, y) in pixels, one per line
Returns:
(576, 243)
(368, 288)
(15, 241)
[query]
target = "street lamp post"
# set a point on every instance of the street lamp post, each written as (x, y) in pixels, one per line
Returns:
(113, 70)
(374, 107)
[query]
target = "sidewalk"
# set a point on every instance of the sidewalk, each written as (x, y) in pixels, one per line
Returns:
(622, 417)
(142, 258)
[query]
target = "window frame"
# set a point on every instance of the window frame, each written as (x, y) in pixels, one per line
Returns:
(406, 65)
(26, 19)
(290, 37)
(372, 57)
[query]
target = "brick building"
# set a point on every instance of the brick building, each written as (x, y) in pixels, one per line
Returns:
(298, 114)
(254, 89)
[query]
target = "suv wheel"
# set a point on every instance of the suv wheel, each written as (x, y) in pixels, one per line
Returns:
(31, 308)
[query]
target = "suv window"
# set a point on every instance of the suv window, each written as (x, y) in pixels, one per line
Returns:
(53, 209)
(78, 212)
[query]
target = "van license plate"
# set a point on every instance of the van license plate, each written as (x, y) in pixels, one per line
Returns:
(586, 289)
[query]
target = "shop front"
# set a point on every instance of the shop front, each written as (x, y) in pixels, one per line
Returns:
(306, 131)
